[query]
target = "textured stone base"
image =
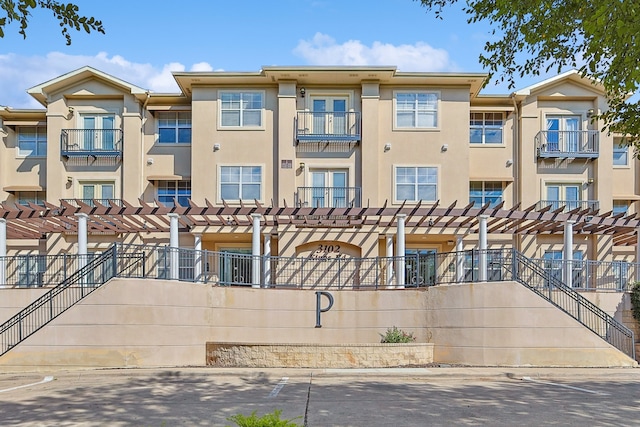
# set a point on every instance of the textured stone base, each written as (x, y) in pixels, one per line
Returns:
(317, 355)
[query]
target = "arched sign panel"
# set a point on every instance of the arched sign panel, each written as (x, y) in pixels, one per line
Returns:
(327, 249)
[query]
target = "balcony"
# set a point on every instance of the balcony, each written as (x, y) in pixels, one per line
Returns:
(328, 127)
(91, 143)
(567, 144)
(92, 202)
(569, 205)
(328, 197)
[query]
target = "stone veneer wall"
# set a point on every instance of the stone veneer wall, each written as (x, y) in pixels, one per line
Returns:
(244, 355)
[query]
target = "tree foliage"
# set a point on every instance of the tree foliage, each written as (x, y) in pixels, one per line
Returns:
(66, 13)
(600, 38)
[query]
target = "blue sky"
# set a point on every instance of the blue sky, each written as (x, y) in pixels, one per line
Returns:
(147, 39)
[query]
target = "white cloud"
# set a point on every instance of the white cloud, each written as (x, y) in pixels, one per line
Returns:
(324, 50)
(18, 73)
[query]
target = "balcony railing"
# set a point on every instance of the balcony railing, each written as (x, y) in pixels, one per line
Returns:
(92, 202)
(568, 143)
(91, 142)
(328, 126)
(569, 205)
(328, 197)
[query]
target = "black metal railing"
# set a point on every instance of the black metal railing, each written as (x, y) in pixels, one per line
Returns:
(567, 143)
(328, 126)
(569, 205)
(60, 298)
(92, 202)
(91, 142)
(329, 197)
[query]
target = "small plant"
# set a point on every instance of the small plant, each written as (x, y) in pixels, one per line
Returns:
(395, 335)
(635, 301)
(267, 420)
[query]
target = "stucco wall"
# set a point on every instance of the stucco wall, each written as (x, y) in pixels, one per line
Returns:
(162, 323)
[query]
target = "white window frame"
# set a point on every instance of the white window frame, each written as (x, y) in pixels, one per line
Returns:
(262, 182)
(484, 128)
(40, 130)
(176, 194)
(625, 203)
(437, 110)
(39, 197)
(222, 126)
(416, 200)
(176, 126)
(484, 190)
(618, 148)
(94, 182)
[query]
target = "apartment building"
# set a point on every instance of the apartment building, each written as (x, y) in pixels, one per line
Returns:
(332, 162)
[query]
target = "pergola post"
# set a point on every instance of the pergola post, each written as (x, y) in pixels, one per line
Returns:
(266, 261)
(459, 260)
(174, 247)
(197, 261)
(567, 270)
(389, 266)
(400, 251)
(3, 252)
(255, 251)
(482, 246)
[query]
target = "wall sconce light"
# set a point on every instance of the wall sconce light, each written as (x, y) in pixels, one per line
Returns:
(444, 147)
(431, 222)
(303, 91)
(150, 161)
(69, 179)
(216, 147)
(590, 181)
(387, 147)
(509, 162)
(302, 166)
(71, 110)
(591, 112)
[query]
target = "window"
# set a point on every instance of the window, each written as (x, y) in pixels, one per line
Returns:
(620, 155)
(416, 183)
(241, 109)
(32, 141)
(170, 190)
(100, 191)
(99, 132)
(418, 110)
(563, 133)
(240, 182)
(486, 128)
(36, 197)
(620, 207)
(568, 195)
(174, 127)
(481, 192)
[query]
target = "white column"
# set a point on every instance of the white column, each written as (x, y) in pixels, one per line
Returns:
(459, 260)
(174, 245)
(567, 271)
(255, 251)
(638, 255)
(482, 246)
(197, 261)
(3, 251)
(400, 265)
(82, 242)
(389, 266)
(267, 259)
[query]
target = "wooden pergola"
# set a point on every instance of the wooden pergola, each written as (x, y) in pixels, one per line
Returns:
(33, 221)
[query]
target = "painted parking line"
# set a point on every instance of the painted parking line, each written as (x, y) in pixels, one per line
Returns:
(564, 386)
(278, 387)
(45, 380)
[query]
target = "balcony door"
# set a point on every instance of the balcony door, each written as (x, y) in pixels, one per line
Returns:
(329, 115)
(102, 191)
(568, 195)
(329, 189)
(563, 133)
(98, 132)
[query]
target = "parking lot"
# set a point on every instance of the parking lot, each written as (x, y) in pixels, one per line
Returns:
(373, 397)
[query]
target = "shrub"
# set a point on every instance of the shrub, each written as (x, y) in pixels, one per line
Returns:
(635, 301)
(267, 420)
(395, 335)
